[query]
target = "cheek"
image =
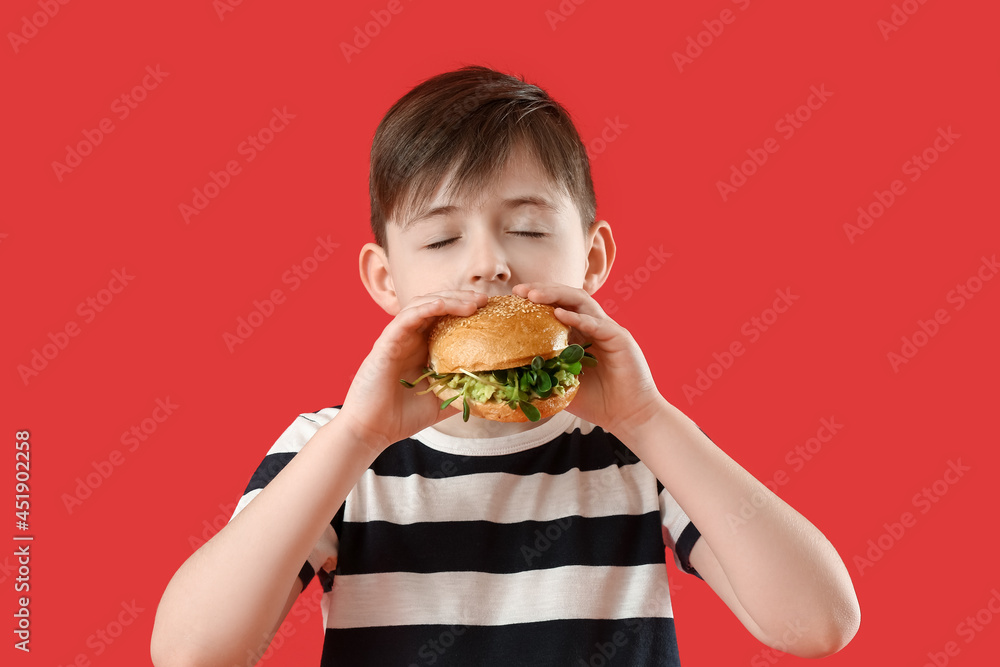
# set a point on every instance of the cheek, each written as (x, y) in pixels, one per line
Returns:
(410, 285)
(559, 268)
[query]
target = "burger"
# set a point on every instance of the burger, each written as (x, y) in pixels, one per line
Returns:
(510, 361)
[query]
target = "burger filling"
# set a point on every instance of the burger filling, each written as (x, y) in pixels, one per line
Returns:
(517, 387)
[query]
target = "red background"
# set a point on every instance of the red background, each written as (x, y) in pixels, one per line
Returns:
(162, 335)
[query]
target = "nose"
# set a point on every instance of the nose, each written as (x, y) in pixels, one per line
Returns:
(487, 262)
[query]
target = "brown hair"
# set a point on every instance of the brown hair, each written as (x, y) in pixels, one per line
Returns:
(470, 120)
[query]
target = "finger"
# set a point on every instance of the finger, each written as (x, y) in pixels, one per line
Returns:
(418, 317)
(449, 411)
(598, 329)
(478, 297)
(562, 295)
(471, 296)
(450, 300)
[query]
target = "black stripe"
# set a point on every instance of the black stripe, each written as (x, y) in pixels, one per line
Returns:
(274, 463)
(594, 451)
(325, 580)
(306, 574)
(564, 452)
(649, 642)
(268, 470)
(501, 548)
(685, 543)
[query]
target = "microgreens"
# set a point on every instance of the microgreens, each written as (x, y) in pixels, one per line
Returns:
(523, 384)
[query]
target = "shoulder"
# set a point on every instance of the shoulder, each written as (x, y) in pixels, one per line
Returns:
(303, 427)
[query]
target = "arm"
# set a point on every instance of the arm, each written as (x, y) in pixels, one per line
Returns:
(230, 596)
(777, 573)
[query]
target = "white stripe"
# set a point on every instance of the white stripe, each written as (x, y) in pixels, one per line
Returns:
(301, 430)
(561, 422)
(480, 598)
(244, 501)
(673, 518)
(585, 427)
(291, 441)
(503, 497)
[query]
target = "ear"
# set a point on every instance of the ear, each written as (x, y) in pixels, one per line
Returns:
(600, 255)
(374, 267)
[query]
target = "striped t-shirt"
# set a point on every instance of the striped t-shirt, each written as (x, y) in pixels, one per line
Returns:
(545, 547)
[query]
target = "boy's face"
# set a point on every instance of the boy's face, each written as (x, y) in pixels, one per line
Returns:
(526, 230)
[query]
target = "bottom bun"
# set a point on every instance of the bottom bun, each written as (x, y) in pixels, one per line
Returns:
(501, 412)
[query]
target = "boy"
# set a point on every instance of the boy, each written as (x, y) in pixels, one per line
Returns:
(443, 542)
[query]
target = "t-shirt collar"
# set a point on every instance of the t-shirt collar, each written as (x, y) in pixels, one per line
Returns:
(561, 422)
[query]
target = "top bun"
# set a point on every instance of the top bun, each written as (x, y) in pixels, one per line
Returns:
(509, 331)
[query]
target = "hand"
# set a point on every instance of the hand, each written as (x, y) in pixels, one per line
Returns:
(378, 407)
(619, 391)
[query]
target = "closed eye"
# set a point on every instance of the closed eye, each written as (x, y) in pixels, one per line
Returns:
(441, 244)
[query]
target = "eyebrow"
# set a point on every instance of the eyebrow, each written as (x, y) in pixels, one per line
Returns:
(506, 205)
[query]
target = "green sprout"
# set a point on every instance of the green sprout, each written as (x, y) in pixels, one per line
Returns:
(516, 387)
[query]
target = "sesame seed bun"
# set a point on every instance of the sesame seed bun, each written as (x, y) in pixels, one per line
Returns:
(508, 332)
